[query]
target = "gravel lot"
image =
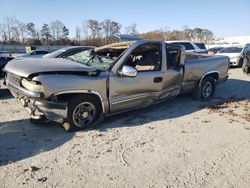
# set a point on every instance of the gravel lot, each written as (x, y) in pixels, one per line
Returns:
(179, 143)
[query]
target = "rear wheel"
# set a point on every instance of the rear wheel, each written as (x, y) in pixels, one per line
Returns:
(240, 63)
(245, 69)
(206, 90)
(83, 112)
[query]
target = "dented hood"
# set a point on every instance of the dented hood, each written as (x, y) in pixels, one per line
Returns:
(31, 66)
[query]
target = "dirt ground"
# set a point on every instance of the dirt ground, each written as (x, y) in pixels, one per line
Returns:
(179, 143)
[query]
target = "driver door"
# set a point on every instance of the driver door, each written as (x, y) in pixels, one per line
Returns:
(126, 93)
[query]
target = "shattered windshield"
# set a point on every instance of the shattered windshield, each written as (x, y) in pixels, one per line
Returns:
(98, 60)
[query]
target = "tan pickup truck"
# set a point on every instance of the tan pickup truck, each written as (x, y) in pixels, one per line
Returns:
(82, 89)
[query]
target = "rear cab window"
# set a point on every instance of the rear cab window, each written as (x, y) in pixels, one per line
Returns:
(187, 45)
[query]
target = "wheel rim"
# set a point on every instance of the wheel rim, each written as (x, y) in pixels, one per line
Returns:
(207, 89)
(84, 114)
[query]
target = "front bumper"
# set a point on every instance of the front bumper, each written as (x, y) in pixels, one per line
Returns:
(54, 111)
(35, 106)
(22, 91)
(234, 61)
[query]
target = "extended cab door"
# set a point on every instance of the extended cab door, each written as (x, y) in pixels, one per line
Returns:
(126, 93)
(173, 74)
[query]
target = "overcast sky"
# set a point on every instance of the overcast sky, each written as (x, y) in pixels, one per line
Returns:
(223, 17)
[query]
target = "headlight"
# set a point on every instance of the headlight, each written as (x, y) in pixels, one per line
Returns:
(32, 85)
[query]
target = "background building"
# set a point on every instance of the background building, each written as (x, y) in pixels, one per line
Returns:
(235, 40)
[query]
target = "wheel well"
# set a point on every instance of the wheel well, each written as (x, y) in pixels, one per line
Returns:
(68, 96)
(214, 75)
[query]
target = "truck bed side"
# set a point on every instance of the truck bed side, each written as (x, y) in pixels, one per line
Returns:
(196, 69)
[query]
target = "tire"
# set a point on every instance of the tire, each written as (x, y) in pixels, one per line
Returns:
(245, 69)
(38, 120)
(206, 90)
(83, 112)
(240, 63)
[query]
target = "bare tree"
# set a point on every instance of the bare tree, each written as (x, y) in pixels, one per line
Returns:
(65, 32)
(94, 27)
(3, 32)
(31, 31)
(85, 29)
(6, 27)
(45, 32)
(110, 28)
(131, 29)
(106, 27)
(22, 29)
(115, 28)
(78, 34)
(59, 30)
(207, 36)
(56, 28)
(10, 22)
(15, 34)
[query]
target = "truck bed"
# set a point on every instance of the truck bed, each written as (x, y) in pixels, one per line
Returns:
(197, 65)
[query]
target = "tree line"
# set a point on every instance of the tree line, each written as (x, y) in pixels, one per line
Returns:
(91, 32)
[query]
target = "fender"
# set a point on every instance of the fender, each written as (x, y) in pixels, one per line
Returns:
(84, 92)
(204, 75)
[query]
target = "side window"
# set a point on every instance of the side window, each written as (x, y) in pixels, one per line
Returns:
(146, 57)
(173, 56)
(41, 52)
(201, 45)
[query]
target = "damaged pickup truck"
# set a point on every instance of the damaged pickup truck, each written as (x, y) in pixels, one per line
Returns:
(82, 89)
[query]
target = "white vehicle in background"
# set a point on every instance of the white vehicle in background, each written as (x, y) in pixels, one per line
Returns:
(235, 55)
(190, 46)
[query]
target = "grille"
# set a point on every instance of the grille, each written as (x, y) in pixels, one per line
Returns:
(14, 79)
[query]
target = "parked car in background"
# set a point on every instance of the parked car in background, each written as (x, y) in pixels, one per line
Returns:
(67, 52)
(235, 55)
(212, 51)
(246, 59)
(111, 79)
(34, 54)
(190, 46)
(4, 59)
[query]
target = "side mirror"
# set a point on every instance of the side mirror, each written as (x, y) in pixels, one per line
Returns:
(183, 56)
(128, 71)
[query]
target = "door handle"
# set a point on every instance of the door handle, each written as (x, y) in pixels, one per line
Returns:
(158, 79)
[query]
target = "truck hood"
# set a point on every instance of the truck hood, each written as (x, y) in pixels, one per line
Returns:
(230, 54)
(33, 66)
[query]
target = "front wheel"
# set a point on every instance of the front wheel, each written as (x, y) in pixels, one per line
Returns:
(206, 90)
(83, 111)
